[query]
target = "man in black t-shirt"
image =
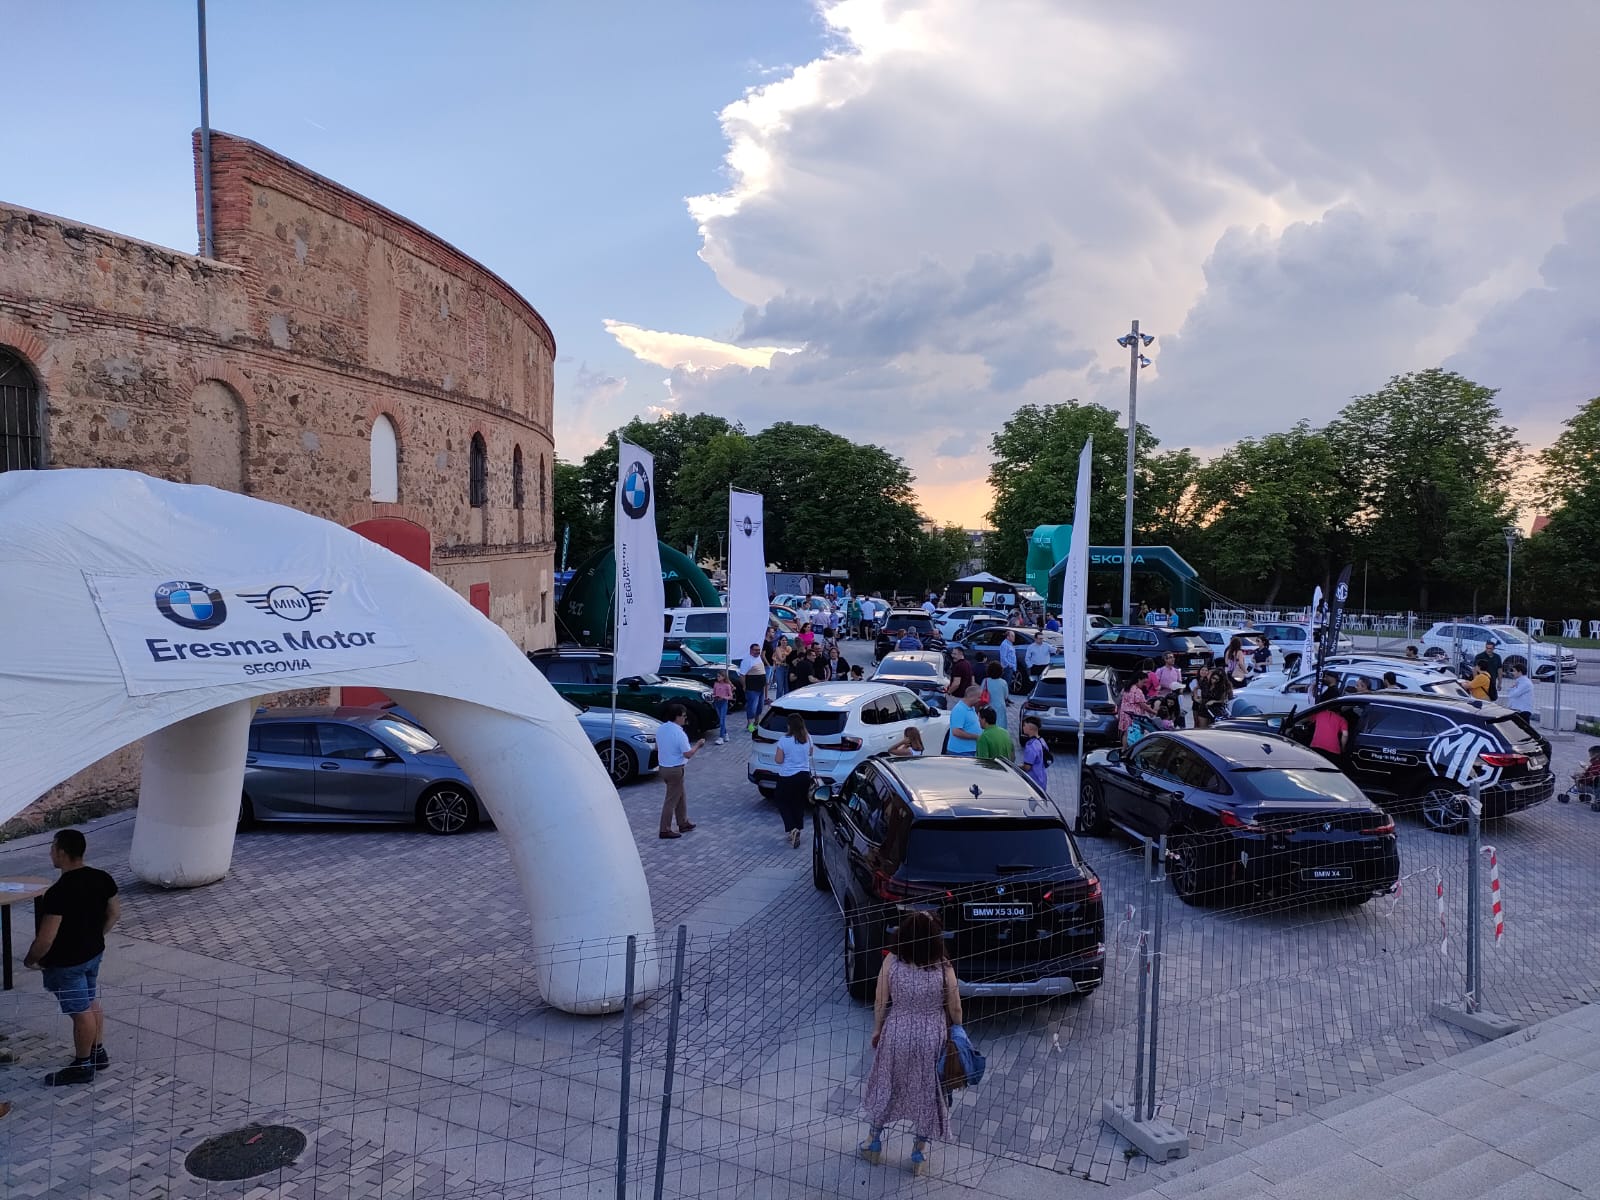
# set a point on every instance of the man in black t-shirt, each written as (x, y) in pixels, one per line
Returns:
(802, 670)
(74, 917)
(1491, 662)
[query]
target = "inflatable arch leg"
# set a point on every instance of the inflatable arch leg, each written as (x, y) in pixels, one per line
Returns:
(189, 789)
(570, 845)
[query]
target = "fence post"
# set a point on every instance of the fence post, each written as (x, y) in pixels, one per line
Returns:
(1468, 1012)
(1157, 1140)
(672, 1060)
(1159, 923)
(627, 1069)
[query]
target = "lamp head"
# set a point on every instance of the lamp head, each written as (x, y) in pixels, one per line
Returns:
(1148, 338)
(1125, 340)
(1143, 361)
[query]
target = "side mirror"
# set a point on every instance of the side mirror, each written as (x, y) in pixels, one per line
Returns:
(1114, 755)
(376, 754)
(821, 794)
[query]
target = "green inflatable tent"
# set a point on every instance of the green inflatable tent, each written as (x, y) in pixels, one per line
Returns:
(584, 613)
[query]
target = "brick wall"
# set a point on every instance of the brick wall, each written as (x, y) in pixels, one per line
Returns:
(265, 369)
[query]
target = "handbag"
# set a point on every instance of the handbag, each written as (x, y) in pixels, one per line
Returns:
(960, 1064)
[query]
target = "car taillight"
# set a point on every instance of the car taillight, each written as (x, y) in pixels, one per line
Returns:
(1504, 760)
(1378, 830)
(1095, 891)
(1231, 821)
(844, 743)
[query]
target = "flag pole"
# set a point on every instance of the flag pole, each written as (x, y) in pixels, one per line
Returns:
(616, 614)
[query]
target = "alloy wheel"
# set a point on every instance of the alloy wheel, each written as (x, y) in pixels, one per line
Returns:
(619, 763)
(446, 810)
(1445, 810)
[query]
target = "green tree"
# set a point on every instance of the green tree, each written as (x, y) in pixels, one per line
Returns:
(1164, 498)
(1276, 510)
(1561, 563)
(577, 519)
(1431, 459)
(1035, 474)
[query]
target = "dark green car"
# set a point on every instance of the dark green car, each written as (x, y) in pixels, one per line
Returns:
(583, 675)
(685, 662)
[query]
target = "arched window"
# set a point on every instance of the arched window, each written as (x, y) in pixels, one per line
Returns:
(478, 473)
(518, 494)
(385, 453)
(543, 486)
(21, 416)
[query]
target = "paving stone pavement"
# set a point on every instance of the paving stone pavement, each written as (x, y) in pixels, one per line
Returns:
(371, 987)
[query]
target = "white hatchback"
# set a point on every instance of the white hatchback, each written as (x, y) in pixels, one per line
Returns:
(847, 722)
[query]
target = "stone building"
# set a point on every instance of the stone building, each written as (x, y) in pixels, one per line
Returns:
(333, 356)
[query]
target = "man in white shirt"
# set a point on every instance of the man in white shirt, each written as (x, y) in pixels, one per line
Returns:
(1037, 655)
(673, 752)
(928, 606)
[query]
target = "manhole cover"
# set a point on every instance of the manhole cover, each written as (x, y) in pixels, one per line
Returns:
(245, 1153)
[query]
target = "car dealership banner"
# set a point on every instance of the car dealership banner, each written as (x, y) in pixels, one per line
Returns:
(747, 575)
(170, 635)
(1075, 589)
(641, 595)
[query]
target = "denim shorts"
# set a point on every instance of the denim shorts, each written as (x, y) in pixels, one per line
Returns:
(74, 987)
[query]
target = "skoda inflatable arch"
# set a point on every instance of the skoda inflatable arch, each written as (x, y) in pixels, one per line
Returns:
(133, 608)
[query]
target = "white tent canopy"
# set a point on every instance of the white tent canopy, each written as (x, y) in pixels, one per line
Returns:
(135, 608)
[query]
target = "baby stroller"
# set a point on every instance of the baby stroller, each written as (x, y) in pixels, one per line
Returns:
(1138, 727)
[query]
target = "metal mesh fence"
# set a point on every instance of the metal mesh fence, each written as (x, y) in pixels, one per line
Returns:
(445, 1075)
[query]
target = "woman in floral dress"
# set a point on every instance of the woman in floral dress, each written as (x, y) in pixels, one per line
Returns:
(917, 1002)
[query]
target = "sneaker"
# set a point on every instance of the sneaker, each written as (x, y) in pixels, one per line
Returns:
(102, 1060)
(78, 1072)
(722, 741)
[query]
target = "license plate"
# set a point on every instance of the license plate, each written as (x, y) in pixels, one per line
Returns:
(1327, 874)
(998, 912)
(1197, 662)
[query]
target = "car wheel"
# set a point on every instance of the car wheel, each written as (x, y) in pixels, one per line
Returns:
(858, 979)
(247, 813)
(1194, 877)
(619, 761)
(1091, 808)
(819, 871)
(1444, 809)
(446, 809)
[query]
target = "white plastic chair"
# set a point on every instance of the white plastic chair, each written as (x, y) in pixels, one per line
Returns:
(1572, 628)
(1594, 630)
(1536, 626)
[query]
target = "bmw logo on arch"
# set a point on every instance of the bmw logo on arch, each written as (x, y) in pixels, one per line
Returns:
(636, 491)
(190, 604)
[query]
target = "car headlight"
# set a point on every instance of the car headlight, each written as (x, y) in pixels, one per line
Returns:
(649, 739)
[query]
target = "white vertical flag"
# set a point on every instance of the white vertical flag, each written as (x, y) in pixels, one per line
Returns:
(747, 576)
(641, 598)
(1075, 588)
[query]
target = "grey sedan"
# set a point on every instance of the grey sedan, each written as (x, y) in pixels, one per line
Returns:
(631, 752)
(353, 764)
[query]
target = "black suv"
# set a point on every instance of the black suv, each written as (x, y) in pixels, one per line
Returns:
(1423, 752)
(583, 675)
(1124, 647)
(979, 844)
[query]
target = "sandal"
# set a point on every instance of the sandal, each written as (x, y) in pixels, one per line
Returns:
(872, 1149)
(919, 1156)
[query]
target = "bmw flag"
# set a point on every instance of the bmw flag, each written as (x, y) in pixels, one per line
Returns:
(641, 600)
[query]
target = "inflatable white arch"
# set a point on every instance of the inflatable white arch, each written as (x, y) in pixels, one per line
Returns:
(132, 608)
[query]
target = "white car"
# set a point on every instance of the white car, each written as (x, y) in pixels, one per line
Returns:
(1439, 644)
(848, 723)
(1270, 694)
(952, 621)
(1218, 637)
(1289, 637)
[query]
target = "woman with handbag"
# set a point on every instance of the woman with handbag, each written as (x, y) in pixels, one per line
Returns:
(917, 1004)
(794, 778)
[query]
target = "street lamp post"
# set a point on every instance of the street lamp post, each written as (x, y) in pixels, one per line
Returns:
(1133, 341)
(1512, 534)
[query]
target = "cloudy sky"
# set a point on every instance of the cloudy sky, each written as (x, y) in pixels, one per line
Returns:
(903, 218)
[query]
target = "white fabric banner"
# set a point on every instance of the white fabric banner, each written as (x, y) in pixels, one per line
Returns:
(747, 576)
(641, 596)
(170, 635)
(1075, 588)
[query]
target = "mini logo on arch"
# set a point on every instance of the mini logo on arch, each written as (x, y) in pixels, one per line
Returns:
(190, 604)
(636, 491)
(289, 602)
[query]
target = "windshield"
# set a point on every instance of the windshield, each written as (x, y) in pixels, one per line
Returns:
(818, 724)
(920, 623)
(692, 657)
(1515, 729)
(907, 668)
(408, 735)
(986, 848)
(1306, 785)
